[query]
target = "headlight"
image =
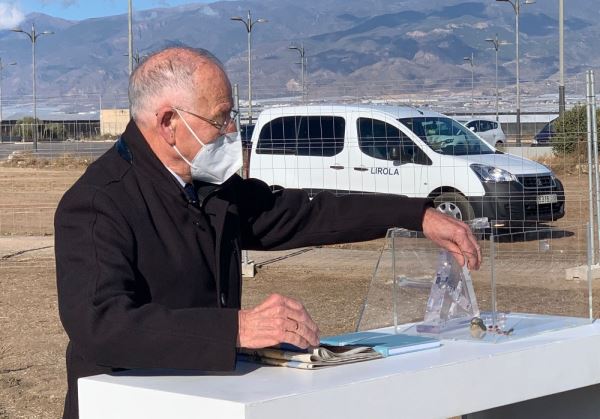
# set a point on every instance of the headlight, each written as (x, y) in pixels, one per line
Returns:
(492, 174)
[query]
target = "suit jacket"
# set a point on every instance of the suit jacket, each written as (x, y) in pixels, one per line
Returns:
(147, 279)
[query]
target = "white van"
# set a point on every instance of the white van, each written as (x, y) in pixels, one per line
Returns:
(347, 149)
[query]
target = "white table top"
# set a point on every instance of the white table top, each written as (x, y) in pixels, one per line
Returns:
(457, 378)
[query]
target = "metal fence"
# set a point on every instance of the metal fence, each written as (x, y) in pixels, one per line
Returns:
(49, 130)
(69, 145)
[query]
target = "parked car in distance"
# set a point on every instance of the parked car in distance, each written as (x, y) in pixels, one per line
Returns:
(365, 149)
(544, 136)
(490, 131)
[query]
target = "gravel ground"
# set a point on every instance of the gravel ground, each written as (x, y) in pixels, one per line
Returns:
(332, 282)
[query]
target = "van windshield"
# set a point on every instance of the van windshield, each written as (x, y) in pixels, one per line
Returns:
(446, 136)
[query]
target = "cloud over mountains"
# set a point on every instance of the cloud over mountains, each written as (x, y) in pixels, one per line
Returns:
(10, 16)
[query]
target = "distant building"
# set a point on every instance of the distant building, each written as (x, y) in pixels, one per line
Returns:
(113, 121)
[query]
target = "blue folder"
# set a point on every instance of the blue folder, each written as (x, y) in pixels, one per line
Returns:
(385, 343)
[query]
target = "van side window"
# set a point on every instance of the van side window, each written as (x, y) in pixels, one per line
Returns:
(384, 141)
(321, 136)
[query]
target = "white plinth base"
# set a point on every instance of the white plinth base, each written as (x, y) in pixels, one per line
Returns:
(456, 379)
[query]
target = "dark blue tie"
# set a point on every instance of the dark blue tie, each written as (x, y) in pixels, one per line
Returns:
(190, 191)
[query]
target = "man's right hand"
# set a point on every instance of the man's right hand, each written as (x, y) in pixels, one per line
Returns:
(276, 320)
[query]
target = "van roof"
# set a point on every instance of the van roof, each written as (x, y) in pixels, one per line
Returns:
(396, 112)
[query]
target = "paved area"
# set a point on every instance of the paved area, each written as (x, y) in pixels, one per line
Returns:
(48, 150)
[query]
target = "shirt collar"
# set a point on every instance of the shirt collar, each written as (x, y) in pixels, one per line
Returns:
(179, 179)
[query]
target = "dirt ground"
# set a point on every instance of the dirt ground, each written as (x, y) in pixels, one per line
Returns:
(32, 342)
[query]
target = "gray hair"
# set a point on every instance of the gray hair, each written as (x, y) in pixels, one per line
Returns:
(174, 72)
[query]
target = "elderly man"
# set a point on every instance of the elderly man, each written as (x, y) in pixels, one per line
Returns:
(148, 240)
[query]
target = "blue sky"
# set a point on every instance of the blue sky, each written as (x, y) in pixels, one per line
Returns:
(82, 9)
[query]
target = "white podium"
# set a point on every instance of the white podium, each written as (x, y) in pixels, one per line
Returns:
(456, 379)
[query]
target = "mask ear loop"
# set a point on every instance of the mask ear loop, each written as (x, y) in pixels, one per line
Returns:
(189, 128)
(173, 135)
(181, 155)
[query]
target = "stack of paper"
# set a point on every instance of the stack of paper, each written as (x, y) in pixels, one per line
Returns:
(342, 349)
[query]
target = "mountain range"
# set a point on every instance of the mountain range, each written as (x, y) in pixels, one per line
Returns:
(352, 43)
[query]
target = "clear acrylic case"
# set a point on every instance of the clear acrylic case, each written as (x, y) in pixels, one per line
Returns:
(524, 286)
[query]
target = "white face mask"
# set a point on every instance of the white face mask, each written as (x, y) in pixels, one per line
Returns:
(215, 162)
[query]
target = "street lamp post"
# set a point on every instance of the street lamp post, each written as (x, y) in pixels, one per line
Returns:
(249, 24)
(130, 35)
(137, 57)
(2, 67)
(33, 36)
(516, 4)
(300, 49)
(496, 45)
(471, 60)
(561, 54)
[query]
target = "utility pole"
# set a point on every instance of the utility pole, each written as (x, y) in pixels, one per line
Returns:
(249, 24)
(130, 36)
(471, 61)
(517, 8)
(33, 36)
(301, 50)
(136, 58)
(496, 45)
(561, 54)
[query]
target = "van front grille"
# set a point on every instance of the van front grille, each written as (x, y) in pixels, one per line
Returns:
(536, 182)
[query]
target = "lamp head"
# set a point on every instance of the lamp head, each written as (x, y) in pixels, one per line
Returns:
(18, 30)
(261, 20)
(237, 18)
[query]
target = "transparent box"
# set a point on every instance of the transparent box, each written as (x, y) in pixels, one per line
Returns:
(533, 279)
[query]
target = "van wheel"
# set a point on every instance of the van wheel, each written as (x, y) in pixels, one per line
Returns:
(499, 144)
(454, 204)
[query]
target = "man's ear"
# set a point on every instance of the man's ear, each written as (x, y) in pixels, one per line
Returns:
(164, 124)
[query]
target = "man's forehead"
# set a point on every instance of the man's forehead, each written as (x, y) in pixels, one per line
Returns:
(214, 87)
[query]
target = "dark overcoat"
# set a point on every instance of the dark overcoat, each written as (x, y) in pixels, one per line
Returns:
(147, 279)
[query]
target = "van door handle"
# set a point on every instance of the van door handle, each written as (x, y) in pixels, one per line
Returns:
(337, 167)
(361, 169)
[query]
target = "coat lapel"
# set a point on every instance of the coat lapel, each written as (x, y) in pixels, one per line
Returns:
(216, 209)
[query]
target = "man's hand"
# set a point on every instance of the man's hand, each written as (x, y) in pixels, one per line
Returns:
(278, 319)
(453, 235)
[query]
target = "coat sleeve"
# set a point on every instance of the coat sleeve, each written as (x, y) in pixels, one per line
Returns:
(105, 306)
(288, 219)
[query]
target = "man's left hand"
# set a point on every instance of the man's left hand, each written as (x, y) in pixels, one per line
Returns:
(454, 236)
